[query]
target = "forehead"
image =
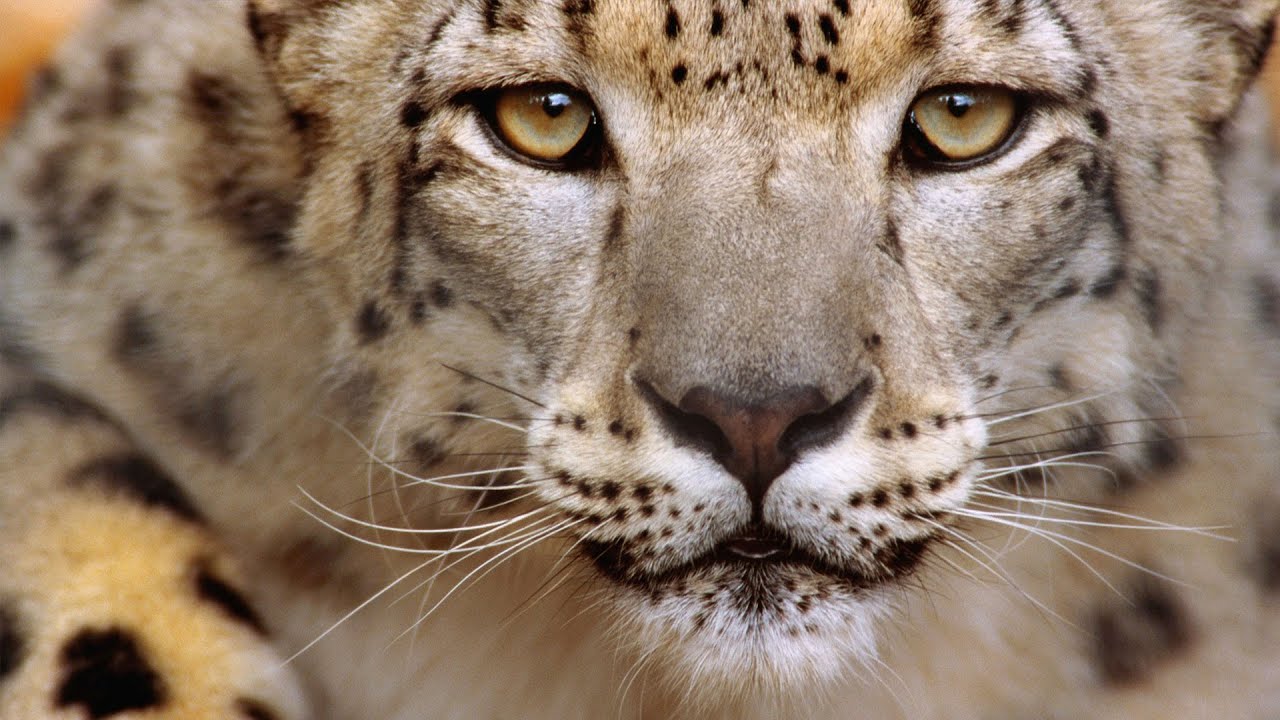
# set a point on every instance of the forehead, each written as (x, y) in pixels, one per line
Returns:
(783, 49)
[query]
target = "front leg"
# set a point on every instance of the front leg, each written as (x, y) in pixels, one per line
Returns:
(116, 599)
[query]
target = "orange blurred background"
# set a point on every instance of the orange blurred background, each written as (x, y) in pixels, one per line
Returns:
(30, 28)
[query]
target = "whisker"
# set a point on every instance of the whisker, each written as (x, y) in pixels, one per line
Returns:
(1062, 540)
(998, 570)
(1008, 391)
(1093, 509)
(407, 530)
(992, 510)
(352, 613)
(494, 385)
(1048, 408)
(1086, 426)
(471, 416)
(491, 563)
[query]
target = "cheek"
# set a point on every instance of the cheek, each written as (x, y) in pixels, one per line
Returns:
(984, 255)
(526, 252)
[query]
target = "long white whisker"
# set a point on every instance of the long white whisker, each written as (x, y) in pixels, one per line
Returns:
(998, 570)
(1061, 541)
(353, 612)
(1089, 509)
(498, 558)
(1048, 408)
(474, 416)
(411, 531)
(992, 510)
(468, 551)
(419, 480)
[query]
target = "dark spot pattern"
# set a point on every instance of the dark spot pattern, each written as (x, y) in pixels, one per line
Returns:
(207, 413)
(372, 323)
(120, 96)
(213, 589)
(49, 398)
(1266, 303)
(13, 646)
(441, 295)
(262, 216)
(104, 673)
(8, 234)
(890, 243)
(255, 710)
(1132, 638)
(1263, 558)
(412, 114)
(1099, 123)
(1147, 285)
(1107, 285)
(139, 479)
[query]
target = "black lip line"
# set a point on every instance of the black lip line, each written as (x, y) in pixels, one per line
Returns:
(897, 558)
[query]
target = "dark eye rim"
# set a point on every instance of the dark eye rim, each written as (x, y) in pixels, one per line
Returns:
(588, 154)
(923, 155)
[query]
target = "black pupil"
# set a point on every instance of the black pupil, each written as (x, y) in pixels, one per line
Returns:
(958, 105)
(554, 104)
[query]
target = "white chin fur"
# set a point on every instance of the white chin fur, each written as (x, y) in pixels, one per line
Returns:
(706, 655)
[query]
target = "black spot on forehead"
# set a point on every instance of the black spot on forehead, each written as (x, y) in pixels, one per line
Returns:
(828, 27)
(105, 673)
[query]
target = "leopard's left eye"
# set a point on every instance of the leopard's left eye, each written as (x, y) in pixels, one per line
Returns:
(551, 125)
(960, 125)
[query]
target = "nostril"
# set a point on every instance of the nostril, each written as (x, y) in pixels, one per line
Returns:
(755, 440)
(823, 427)
(690, 429)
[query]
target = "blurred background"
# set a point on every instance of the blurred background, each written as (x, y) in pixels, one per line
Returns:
(29, 29)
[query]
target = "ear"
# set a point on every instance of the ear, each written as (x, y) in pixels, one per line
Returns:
(1237, 36)
(270, 21)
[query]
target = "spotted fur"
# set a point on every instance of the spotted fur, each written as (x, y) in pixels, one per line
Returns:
(747, 412)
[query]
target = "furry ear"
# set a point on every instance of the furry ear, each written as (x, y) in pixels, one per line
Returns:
(1236, 37)
(269, 22)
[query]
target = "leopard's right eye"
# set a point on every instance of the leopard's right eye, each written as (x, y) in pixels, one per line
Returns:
(960, 125)
(550, 125)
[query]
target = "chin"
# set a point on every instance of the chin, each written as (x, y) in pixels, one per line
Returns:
(749, 633)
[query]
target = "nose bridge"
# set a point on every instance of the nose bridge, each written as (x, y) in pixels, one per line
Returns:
(748, 278)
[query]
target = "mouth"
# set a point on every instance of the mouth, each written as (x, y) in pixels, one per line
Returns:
(767, 557)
